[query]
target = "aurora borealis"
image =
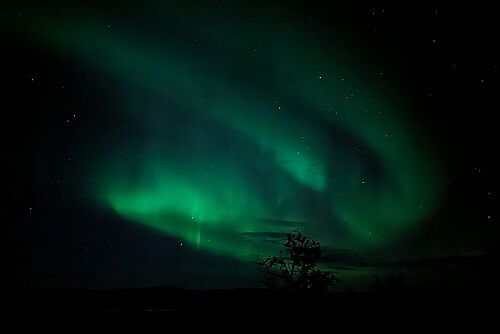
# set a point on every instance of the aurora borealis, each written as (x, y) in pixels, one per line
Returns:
(284, 110)
(226, 125)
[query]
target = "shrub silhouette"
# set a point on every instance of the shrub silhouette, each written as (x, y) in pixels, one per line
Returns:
(296, 268)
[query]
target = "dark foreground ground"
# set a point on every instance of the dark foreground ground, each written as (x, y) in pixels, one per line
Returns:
(249, 308)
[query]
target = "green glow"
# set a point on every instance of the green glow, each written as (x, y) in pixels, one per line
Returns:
(279, 105)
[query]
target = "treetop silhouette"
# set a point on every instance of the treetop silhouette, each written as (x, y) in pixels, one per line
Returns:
(296, 268)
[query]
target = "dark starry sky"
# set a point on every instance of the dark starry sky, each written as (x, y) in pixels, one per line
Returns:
(444, 57)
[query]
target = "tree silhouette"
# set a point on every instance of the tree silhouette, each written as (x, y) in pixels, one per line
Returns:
(296, 267)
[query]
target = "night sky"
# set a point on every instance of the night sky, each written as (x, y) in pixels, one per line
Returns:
(170, 143)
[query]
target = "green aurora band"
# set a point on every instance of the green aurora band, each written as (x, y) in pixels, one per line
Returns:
(254, 134)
